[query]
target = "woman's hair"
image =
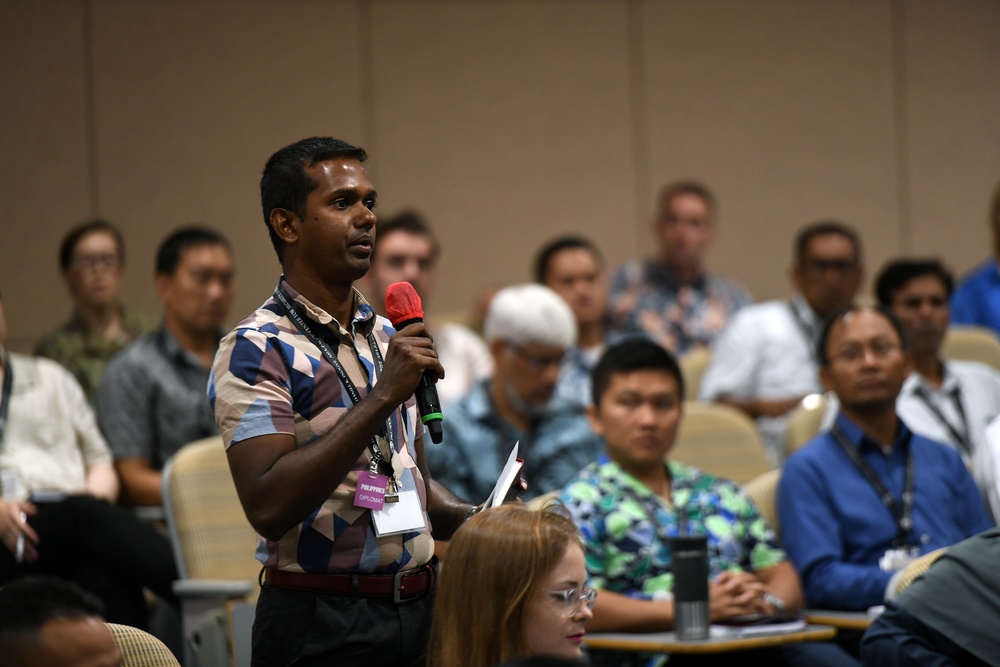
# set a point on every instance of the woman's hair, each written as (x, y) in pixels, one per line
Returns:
(496, 565)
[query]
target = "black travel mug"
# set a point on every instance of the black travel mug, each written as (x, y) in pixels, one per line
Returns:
(690, 564)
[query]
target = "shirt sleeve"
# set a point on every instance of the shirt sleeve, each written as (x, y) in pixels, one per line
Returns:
(581, 499)
(92, 444)
(811, 538)
(970, 508)
(733, 365)
(124, 402)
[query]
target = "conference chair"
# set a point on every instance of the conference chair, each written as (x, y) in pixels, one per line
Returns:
(693, 366)
(969, 343)
(141, 649)
(762, 490)
(720, 440)
(805, 421)
(213, 544)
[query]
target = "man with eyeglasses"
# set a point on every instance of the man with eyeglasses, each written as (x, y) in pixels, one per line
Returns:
(863, 499)
(92, 261)
(528, 329)
(631, 501)
(764, 362)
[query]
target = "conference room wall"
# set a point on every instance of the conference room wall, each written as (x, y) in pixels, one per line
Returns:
(504, 122)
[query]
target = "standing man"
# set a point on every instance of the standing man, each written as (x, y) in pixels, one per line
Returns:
(946, 400)
(764, 363)
(671, 298)
(861, 500)
(528, 329)
(151, 398)
(314, 392)
(977, 299)
(92, 261)
(572, 267)
(406, 251)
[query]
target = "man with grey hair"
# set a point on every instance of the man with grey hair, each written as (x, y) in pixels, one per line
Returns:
(528, 329)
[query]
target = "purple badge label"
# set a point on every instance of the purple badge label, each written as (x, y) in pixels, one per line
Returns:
(371, 490)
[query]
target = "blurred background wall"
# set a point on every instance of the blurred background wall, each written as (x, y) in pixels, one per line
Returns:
(504, 121)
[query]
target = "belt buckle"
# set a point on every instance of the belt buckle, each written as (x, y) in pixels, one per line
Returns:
(397, 582)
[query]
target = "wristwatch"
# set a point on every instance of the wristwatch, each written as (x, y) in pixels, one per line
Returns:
(775, 601)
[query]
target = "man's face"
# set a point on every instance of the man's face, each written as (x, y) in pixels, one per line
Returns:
(198, 294)
(337, 235)
(80, 642)
(685, 229)
(527, 373)
(403, 257)
(828, 274)
(577, 276)
(867, 365)
(94, 274)
(638, 416)
(922, 307)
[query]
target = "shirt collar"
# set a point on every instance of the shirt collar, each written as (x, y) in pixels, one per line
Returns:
(915, 382)
(857, 437)
(363, 319)
(658, 272)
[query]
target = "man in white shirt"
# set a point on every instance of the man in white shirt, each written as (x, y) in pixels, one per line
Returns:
(764, 362)
(946, 400)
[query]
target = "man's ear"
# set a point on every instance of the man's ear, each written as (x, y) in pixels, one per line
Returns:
(285, 225)
(162, 284)
(824, 378)
(593, 416)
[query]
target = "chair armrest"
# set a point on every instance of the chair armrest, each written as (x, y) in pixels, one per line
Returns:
(200, 588)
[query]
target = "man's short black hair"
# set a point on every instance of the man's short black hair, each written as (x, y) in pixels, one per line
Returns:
(168, 257)
(635, 353)
(285, 183)
(74, 235)
(27, 604)
(822, 228)
(822, 354)
(557, 245)
(688, 187)
(896, 274)
(410, 222)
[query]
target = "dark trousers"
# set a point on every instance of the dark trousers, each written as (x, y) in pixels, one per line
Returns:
(103, 548)
(897, 638)
(307, 629)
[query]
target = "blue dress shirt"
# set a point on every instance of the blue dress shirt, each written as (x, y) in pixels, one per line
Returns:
(976, 299)
(835, 527)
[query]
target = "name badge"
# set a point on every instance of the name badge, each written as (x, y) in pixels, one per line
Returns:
(405, 516)
(371, 491)
(897, 559)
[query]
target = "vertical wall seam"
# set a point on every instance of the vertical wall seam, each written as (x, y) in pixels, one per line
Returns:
(637, 117)
(898, 47)
(367, 62)
(89, 102)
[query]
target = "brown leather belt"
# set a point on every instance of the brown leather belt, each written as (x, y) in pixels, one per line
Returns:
(404, 585)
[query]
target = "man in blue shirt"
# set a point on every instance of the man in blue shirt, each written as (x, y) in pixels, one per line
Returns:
(860, 500)
(977, 298)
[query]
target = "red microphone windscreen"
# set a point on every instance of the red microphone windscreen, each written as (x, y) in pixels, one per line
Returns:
(402, 303)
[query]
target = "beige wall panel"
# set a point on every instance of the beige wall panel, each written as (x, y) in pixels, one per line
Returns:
(951, 83)
(505, 123)
(43, 140)
(191, 100)
(783, 107)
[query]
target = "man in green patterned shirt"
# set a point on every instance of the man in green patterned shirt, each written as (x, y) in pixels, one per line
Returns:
(92, 261)
(632, 500)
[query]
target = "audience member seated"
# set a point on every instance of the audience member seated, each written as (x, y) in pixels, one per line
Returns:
(976, 301)
(764, 362)
(946, 400)
(513, 585)
(857, 503)
(56, 515)
(151, 399)
(406, 251)
(572, 267)
(92, 260)
(47, 622)
(528, 329)
(671, 297)
(948, 616)
(630, 501)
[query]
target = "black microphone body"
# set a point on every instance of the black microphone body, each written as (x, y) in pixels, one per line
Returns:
(428, 402)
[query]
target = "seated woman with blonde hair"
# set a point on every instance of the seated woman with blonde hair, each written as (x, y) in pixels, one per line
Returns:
(513, 585)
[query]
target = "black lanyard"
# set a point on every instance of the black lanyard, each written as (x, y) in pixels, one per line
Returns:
(8, 383)
(285, 299)
(804, 327)
(903, 515)
(960, 437)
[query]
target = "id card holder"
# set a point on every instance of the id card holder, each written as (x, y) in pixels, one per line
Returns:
(371, 490)
(897, 559)
(405, 516)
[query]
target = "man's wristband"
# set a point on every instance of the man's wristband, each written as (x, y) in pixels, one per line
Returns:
(775, 601)
(469, 512)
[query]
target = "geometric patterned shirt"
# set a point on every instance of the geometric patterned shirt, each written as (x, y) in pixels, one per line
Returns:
(269, 378)
(626, 525)
(647, 298)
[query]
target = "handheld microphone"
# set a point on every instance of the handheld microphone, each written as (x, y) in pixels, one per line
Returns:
(402, 304)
